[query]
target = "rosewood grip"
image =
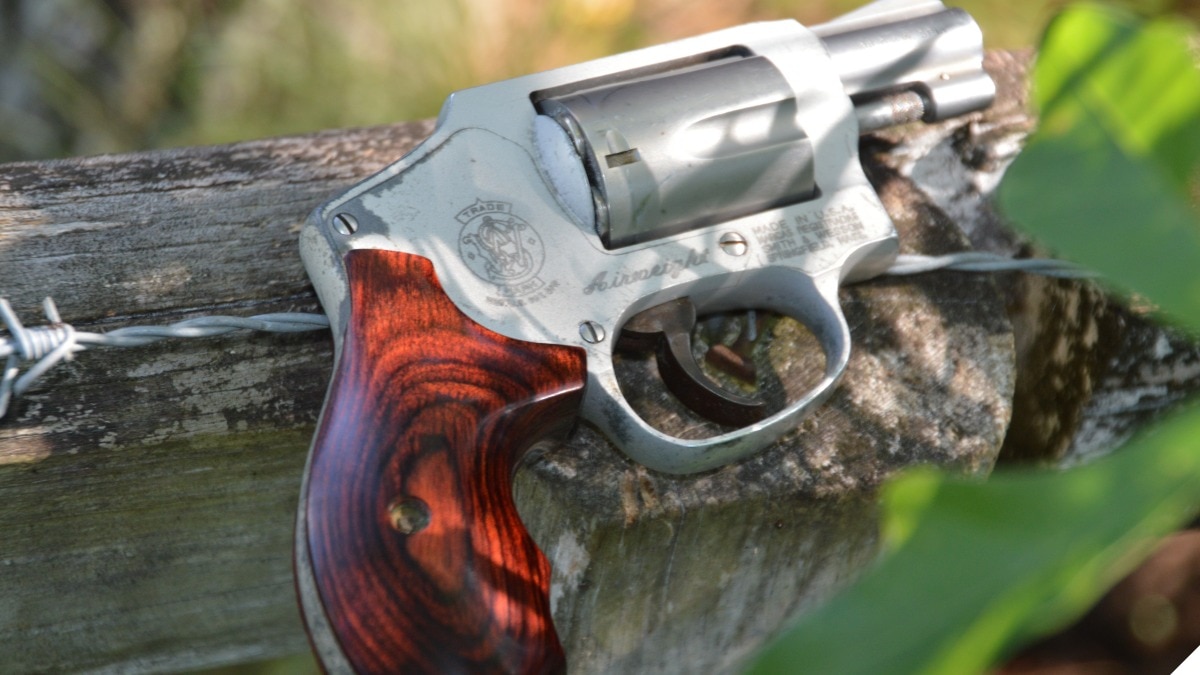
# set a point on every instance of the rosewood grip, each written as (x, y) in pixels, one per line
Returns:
(416, 550)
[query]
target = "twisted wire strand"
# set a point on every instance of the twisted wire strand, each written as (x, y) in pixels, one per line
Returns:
(979, 261)
(47, 346)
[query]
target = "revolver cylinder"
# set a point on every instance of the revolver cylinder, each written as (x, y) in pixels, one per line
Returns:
(684, 149)
(718, 136)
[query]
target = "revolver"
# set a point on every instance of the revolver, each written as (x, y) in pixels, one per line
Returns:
(477, 288)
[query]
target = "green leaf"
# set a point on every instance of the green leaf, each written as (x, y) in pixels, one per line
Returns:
(1106, 180)
(993, 563)
(905, 504)
(1137, 80)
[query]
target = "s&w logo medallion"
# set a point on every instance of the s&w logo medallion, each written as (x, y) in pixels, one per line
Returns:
(501, 248)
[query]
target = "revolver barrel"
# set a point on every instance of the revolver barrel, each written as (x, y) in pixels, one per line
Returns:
(910, 62)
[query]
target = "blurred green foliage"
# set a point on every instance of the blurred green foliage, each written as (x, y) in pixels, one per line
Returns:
(1108, 179)
(89, 76)
(977, 569)
(986, 567)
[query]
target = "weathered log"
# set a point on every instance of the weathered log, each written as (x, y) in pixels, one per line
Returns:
(148, 495)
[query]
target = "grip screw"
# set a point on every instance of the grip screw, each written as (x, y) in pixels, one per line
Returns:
(408, 515)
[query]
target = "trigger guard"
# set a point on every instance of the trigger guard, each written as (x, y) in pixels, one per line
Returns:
(811, 300)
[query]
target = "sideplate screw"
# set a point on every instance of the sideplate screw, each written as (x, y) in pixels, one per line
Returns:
(345, 224)
(591, 332)
(734, 244)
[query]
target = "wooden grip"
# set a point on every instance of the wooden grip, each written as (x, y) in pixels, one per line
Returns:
(417, 552)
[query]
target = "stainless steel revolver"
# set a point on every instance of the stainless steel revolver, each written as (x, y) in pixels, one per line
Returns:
(478, 285)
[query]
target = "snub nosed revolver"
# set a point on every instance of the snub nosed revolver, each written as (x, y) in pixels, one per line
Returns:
(478, 285)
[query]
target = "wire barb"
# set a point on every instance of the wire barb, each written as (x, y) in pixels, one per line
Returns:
(49, 345)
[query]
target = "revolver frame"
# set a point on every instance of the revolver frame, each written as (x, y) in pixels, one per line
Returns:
(550, 217)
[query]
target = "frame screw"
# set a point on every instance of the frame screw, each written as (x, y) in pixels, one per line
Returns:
(591, 332)
(734, 244)
(344, 224)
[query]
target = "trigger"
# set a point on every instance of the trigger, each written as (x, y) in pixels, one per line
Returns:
(667, 328)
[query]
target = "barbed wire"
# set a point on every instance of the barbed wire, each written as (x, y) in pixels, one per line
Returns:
(978, 261)
(47, 346)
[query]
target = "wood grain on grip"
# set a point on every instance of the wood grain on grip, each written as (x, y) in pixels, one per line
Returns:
(417, 551)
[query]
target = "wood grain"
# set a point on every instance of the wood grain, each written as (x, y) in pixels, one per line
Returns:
(417, 550)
